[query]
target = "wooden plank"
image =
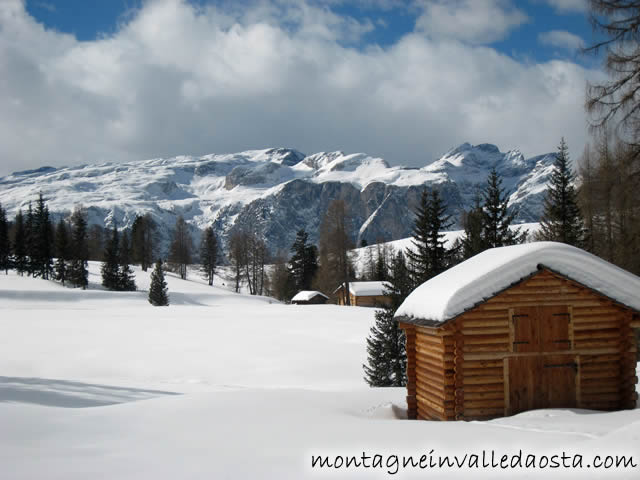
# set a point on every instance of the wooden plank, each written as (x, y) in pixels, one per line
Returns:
(500, 356)
(485, 331)
(506, 393)
(493, 347)
(485, 339)
(473, 413)
(484, 380)
(491, 403)
(478, 372)
(484, 395)
(486, 388)
(474, 364)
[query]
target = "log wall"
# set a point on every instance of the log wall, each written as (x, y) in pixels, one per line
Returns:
(462, 369)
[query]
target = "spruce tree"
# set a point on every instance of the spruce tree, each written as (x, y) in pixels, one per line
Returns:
(30, 244)
(473, 241)
(562, 220)
(41, 241)
(180, 248)
(209, 254)
(126, 278)
(496, 216)
(304, 261)
(78, 273)
(386, 354)
(5, 245)
(63, 252)
(143, 233)
(429, 257)
(20, 260)
(110, 268)
(158, 291)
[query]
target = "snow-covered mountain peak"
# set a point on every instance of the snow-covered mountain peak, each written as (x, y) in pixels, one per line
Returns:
(278, 190)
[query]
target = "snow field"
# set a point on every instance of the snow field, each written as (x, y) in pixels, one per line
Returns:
(102, 385)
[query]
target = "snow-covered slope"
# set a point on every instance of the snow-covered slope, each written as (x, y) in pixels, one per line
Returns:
(101, 385)
(278, 191)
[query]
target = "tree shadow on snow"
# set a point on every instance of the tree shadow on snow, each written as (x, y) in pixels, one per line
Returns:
(62, 393)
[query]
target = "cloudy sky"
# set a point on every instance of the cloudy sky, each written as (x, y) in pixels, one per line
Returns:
(85, 82)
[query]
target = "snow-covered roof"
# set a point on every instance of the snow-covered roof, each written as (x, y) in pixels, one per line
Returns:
(488, 273)
(306, 295)
(365, 289)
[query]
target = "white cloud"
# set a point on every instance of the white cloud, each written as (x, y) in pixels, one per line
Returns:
(561, 39)
(569, 5)
(473, 21)
(179, 80)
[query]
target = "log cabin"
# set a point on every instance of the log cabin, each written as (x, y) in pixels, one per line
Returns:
(364, 294)
(541, 325)
(309, 297)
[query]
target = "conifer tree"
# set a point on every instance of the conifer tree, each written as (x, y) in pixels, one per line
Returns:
(473, 241)
(428, 257)
(5, 245)
(110, 268)
(180, 248)
(143, 240)
(41, 241)
(20, 260)
(63, 252)
(158, 291)
(126, 279)
(562, 220)
(78, 273)
(496, 216)
(304, 261)
(29, 237)
(386, 354)
(209, 254)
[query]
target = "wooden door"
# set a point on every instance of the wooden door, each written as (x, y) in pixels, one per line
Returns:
(542, 381)
(541, 329)
(553, 323)
(539, 378)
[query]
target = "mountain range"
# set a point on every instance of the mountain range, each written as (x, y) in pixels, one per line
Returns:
(278, 191)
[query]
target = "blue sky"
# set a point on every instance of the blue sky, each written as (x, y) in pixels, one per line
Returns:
(406, 80)
(91, 20)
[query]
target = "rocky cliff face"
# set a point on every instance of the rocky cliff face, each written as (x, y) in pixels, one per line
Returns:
(278, 191)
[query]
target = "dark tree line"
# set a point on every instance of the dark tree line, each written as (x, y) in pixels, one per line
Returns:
(31, 242)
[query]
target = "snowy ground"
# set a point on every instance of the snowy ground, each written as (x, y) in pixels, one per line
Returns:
(100, 385)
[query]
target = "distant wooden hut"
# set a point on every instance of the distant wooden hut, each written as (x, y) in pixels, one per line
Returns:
(309, 297)
(542, 325)
(364, 294)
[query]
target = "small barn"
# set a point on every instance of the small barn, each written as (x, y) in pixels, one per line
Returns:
(309, 297)
(364, 294)
(541, 325)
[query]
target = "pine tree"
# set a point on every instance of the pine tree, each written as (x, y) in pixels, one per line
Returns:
(126, 278)
(41, 241)
(5, 245)
(428, 257)
(473, 241)
(29, 236)
(209, 254)
(110, 268)
(380, 266)
(180, 248)
(78, 274)
(143, 240)
(496, 216)
(20, 260)
(386, 354)
(158, 291)
(562, 220)
(63, 252)
(304, 261)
